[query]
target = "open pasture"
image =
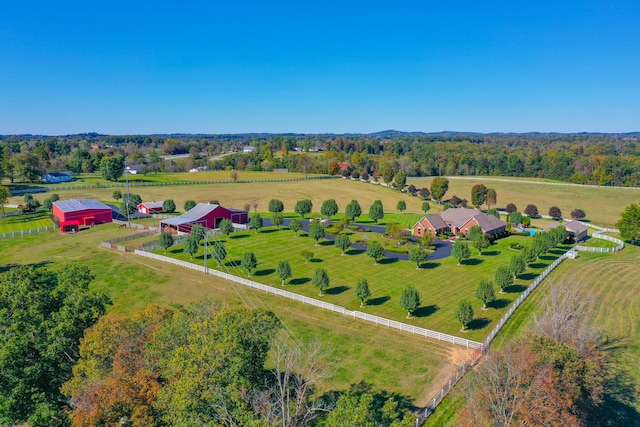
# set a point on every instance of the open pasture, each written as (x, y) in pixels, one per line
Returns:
(602, 205)
(238, 194)
(28, 221)
(442, 283)
(362, 352)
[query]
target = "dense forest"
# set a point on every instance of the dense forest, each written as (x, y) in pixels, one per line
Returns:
(600, 159)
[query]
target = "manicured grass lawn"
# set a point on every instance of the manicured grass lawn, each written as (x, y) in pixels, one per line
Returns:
(598, 243)
(603, 206)
(442, 284)
(379, 356)
(27, 221)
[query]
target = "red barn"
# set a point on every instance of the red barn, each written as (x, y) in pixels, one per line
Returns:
(150, 207)
(206, 214)
(85, 211)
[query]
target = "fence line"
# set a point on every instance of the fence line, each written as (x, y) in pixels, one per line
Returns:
(156, 184)
(317, 303)
(30, 231)
(522, 181)
(619, 242)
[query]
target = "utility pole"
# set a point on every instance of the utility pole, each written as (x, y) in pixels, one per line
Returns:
(126, 176)
(206, 234)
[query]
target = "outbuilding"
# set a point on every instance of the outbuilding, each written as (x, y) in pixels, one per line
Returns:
(577, 230)
(150, 207)
(84, 211)
(209, 215)
(55, 177)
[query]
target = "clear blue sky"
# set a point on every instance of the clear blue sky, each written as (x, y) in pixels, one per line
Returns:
(140, 67)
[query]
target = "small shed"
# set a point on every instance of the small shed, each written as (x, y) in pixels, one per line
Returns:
(85, 211)
(577, 230)
(150, 207)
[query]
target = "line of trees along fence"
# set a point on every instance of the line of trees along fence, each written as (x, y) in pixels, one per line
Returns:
(522, 181)
(317, 303)
(30, 231)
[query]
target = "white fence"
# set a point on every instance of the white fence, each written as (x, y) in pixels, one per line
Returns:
(317, 303)
(31, 231)
(619, 242)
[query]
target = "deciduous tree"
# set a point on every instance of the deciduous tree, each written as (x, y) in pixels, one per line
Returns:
(376, 251)
(218, 251)
(191, 246)
(117, 195)
(362, 291)
(478, 195)
(277, 219)
(303, 207)
(321, 280)
(343, 242)
(517, 265)
(401, 206)
(276, 205)
(189, 204)
(531, 211)
(401, 180)
(481, 242)
(168, 206)
(425, 206)
(460, 251)
(410, 300)
(166, 241)
(464, 314)
(249, 262)
(226, 227)
(353, 210)
(555, 212)
(578, 214)
(329, 208)
(307, 255)
(511, 208)
(316, 231)
(485, 293)
(376, 211)
(256, 222)
(283, 270)
(492, 198)
(629, 223)
(112, 167)
(295, 225)
(439, 187)
(503, 278)
(417, 255)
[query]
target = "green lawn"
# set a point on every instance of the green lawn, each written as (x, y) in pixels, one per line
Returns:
(29, 221)
(442, 284)
(362, 352)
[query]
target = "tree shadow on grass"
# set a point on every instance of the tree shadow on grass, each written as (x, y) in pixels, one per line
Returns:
(355, 251)
(429, 265)
(264, 272)
(316, 260)
(479, 323)
(337, 290)
(232, 263)
(528, 276)
(386, 261)
(537, 265)
(267, 231)
(472, 261)
(378, 301)
(326, 243)
(499, 303)
(299, 281)
(514, 289)
(426, 311)
(8, 267)
(239, 236)
(491, 253)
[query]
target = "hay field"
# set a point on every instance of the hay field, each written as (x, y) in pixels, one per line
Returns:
(602, 205)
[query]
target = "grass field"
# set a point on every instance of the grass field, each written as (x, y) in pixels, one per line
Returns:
(363, 352)
(236, 195)
(603, 206)
(29, 221)
(442, 283)
(610, 281)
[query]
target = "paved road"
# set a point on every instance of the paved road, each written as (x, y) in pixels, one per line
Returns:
(443, 248)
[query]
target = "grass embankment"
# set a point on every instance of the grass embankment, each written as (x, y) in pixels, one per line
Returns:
(442, 283)
(602, 205)
(28, 221)
(385, 358)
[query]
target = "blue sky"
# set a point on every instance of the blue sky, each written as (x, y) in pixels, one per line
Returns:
(143, 67)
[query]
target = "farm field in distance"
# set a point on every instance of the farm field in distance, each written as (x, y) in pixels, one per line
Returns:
(602, 205)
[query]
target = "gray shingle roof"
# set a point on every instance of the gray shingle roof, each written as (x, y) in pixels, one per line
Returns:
(74, 205)
(436, 221)
(489, 223)
(459, 216)
(575, 227)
